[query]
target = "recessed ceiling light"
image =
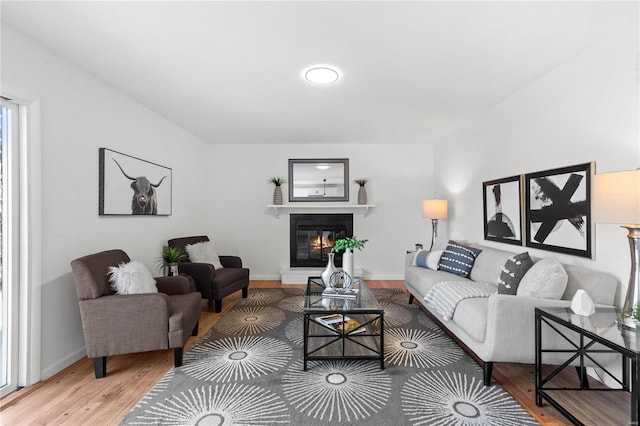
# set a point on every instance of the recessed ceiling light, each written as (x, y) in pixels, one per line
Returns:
(321, 74)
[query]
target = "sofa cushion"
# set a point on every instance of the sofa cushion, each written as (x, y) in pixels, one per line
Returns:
(132, 278)
(546, 279)
(427, 259)
(513, 271)
(204, 252)
(471, 316)
(458, 259)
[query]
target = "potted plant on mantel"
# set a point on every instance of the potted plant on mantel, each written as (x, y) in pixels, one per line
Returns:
(348, 245)
(169, 260)
(362, 191)
(277, 190)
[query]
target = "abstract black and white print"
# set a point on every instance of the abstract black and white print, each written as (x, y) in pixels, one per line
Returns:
(502, 210)
(558, 210)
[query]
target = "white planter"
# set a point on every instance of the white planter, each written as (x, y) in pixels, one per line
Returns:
(347, 262)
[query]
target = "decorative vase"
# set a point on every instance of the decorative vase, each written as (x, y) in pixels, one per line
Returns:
(277, 195)
(362, 195)
(329, 270)
(173, 269)
(347, 262)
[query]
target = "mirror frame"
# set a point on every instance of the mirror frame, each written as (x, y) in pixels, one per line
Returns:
(318, 161)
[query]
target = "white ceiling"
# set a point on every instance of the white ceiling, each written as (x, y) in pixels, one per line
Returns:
(231, 72)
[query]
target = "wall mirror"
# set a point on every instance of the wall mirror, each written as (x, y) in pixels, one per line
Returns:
(319, 179)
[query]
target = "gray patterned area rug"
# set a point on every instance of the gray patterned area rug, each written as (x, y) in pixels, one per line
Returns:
(248, 371)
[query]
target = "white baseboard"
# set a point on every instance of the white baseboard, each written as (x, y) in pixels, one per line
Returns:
(317, 272)
(62, 363)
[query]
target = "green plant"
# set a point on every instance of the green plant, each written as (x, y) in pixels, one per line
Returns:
(173, 255)
(277, 181)
(347, 243)
(633, 313)
(361, 182)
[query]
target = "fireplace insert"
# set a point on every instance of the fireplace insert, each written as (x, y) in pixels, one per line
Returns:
(312, 236)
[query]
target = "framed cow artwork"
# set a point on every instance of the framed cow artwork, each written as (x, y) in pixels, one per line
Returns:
(132, 186)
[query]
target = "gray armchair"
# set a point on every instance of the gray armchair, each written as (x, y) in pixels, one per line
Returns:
(120, 324)
(214, 284)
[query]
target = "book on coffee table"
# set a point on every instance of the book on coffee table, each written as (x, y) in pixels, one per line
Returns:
(340, 323)
(343, 293)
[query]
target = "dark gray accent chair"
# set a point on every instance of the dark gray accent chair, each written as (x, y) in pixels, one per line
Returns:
(214, 284)
(120, 324)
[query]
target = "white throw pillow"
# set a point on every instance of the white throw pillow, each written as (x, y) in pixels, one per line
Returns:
(204, 252)
(546, 279)
(132, 278)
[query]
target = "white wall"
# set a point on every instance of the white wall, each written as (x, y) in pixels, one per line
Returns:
(79, 114)
(399, 175)
(586, 109)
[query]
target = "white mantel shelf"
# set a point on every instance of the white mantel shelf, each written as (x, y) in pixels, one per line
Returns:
(292, 208)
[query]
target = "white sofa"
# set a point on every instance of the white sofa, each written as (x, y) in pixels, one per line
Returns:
(501, 328)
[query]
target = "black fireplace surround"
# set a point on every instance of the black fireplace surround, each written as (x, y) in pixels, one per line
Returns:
(313, 235)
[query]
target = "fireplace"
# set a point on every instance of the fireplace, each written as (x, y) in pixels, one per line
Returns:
(313, 235)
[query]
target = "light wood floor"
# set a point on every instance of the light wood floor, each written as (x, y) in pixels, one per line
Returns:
(75, 397)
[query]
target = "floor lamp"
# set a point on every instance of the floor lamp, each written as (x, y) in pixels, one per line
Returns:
(617, 200)
(434, 210)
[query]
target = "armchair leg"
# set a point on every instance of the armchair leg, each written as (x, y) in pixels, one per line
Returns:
(218, 305)
(487, 368)
(411, 298)
(177, 357)
(245, 292)
(194, 332)
(100, 366)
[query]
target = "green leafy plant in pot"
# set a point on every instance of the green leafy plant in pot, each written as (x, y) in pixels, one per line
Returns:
(170, 258)
(347, 245)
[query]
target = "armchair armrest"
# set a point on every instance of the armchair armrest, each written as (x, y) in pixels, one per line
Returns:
(231, 261)
(120, 324)
(174, 285)
(200, 272)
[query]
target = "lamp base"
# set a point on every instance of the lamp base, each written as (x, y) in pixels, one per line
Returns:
(434, 233)
(632, 301)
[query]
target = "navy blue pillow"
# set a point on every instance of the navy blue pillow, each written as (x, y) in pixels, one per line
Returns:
(458, 259)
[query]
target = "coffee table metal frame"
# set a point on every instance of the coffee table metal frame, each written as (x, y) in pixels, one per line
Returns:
(556, 319)
(365, 308)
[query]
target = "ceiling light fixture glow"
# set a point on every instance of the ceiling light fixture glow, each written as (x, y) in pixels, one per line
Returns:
(321, 74)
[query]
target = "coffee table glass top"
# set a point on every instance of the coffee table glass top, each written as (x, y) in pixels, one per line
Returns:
(315, 303)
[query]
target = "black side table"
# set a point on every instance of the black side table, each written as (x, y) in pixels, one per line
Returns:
(593, 332)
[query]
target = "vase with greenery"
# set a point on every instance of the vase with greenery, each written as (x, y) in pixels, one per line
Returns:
(277, 190)
(631, 317)
(169, 260)
(362, 191)
(348, 245)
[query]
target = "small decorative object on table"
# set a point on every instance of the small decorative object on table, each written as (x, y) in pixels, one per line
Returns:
(631, 318)
(362, 191)
(348, 244)
(340, 279)
(277, 190)
(582, 304)
(328, 270)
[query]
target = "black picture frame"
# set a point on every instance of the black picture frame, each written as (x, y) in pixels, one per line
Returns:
(502, 200)
(130, 186)
(318, 179)
(558, 210)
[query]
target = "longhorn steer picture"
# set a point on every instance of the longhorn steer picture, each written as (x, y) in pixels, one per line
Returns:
(144, 199)
(121, 173)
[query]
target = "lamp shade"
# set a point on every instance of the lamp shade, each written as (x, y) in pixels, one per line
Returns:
(434, 209)
(617, 197)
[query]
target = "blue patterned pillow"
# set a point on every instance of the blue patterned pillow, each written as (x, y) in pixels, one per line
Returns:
(458, 259)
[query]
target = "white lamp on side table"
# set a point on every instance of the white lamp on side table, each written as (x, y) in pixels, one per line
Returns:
(617, 200)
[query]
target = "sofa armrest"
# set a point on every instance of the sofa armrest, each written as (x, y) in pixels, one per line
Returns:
(119, 324)
(231, 261)
(173, 285)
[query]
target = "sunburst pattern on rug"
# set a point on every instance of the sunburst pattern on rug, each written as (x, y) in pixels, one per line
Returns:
(294, 331)
(250, 320)
(395, 315)
(261, 297)
(444, 398)
(402, 299)
(236, 358)
(230, 404)
(337, 391)
(419, 348)
(292, 304)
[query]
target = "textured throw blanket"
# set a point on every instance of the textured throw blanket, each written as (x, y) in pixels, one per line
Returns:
(445, 296)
